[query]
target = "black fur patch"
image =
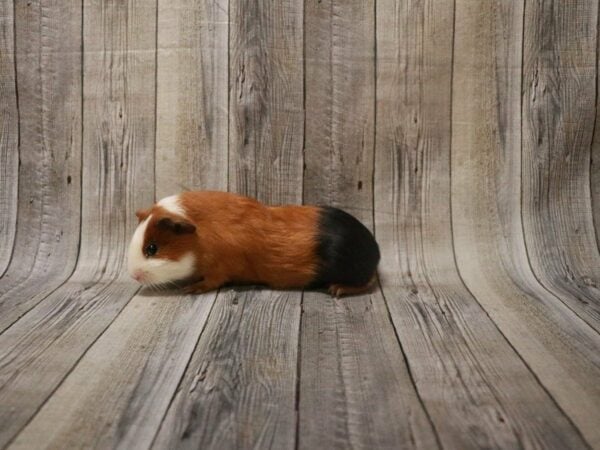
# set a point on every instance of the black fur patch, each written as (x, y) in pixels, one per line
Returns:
(347, 251)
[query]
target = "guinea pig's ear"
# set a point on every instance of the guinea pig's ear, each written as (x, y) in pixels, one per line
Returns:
(179, 226)
(142, 214)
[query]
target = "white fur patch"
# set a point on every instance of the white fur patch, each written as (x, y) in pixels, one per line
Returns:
(135, 255)
(173, 205)
(155, 269)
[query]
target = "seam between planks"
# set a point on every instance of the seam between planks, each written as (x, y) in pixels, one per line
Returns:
(82, 48)
(14, 30)
(299, 372)
(408, 367)
(155, 94)
(228, 90)
(303, 165)
(373, 162)
(592, 203)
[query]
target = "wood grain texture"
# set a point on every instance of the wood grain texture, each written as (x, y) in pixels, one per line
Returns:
(266, 99)
(240, 387)
(595, 152)
(40, 350)
(458, 358)
(351, 367)
(49, 80)
(117, 396)
(9, 134)
(239, 390)
(559, 76)
(355, 389)
(192, 104)
(490, 247)
(340, 86)
(460, 132)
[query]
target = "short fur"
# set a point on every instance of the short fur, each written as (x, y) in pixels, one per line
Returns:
(236, 239)
(346, 249)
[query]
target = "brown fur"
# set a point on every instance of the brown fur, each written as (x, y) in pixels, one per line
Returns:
(240, 240)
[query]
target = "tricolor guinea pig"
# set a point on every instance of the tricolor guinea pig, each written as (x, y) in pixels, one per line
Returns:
(207, 239)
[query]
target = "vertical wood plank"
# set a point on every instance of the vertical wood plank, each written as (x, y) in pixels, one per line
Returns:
(118, 394)
(559, 76)
(119, 92)
(9, 134)
(458, 358)
(239, 390)
(486, 207)
(41, 349)
(595, 155)
(340, 78)
(49, 80)
(192, 104)
(352, 369)
(266, 100)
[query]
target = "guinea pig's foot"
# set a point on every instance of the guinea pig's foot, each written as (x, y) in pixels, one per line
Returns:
(199, 287)
(339, 290)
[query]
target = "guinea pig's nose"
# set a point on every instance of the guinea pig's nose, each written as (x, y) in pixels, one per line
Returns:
(138, 275)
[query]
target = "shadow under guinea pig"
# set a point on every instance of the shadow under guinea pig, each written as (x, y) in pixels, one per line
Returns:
(175, 289)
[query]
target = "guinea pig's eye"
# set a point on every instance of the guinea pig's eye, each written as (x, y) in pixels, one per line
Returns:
(151, 250)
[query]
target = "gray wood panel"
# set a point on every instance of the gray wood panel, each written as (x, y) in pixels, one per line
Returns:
(266, 120)
(352, 370)
(239, 390)
(355, 388)
(9, 134)
(192, 89)
(595, 155)
(49, 80)
(460, 132)
(458, 359)
(42, 348)
(340, 106)
(486, 205)
(125, 382)
(559, 87)
(117, 394)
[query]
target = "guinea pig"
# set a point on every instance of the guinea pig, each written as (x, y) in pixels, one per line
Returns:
(208, 239)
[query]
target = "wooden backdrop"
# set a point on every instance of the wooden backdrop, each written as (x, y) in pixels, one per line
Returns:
(463, 133)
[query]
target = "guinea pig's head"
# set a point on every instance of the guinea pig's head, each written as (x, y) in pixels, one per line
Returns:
(161, 248)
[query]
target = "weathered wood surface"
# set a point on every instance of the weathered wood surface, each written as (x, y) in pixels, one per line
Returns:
(490, 246)
(40, 350)
(349, 349)
(239, 390)
(559, 88)
(459, 132)
(9, 135)
(192, 89)
(153, 338)
(457, 363)
(240, 386)
(340, 104)
(266, 120)
(49, 105)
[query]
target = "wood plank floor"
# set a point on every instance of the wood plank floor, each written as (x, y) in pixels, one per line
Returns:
(462, 133)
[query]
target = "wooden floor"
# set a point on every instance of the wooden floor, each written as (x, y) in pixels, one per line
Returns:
(463, 133)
